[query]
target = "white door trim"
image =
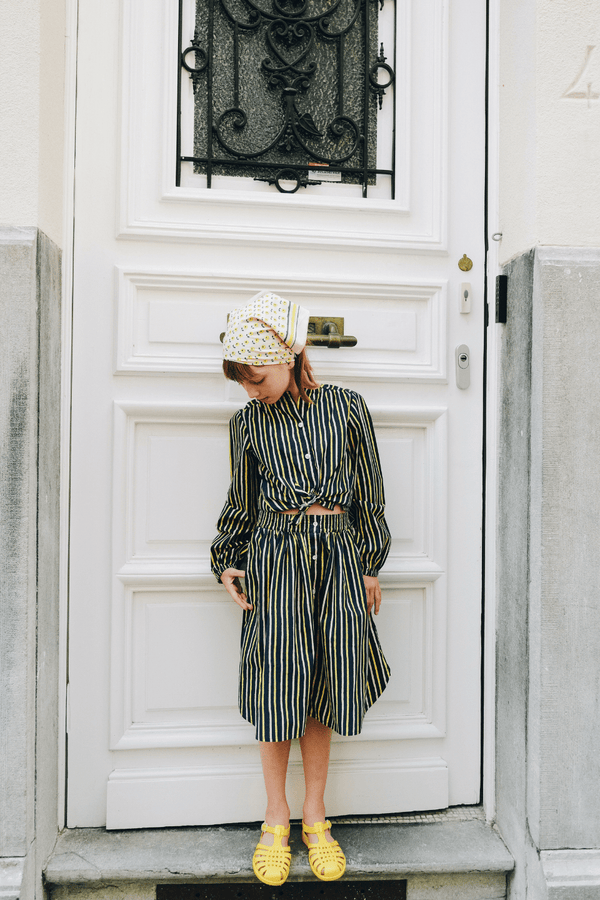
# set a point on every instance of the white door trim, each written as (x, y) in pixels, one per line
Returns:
(70, 118)
(492, 413)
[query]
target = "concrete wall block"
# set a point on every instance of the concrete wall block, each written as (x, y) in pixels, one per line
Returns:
(568, 286)
(49, 292)
(48, 540)
(548, 627)
(572, 874)
(11, 875)
(513, 570)
(18, 463)
(30, 331)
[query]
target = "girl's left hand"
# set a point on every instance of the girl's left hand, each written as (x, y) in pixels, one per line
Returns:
(373, 593)
(229, 580)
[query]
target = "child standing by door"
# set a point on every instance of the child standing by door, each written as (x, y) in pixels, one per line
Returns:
(304, 524)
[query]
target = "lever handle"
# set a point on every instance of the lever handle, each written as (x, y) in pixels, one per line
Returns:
(330, 336)
(325, 333)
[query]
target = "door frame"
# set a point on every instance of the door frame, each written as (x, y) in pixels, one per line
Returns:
(491, 403)
(491, 413)
(70, 140)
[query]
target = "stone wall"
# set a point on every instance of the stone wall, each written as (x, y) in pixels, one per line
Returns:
(548, 678)
(565, 693)
(32, 112)
(18, 450)
(514, 489)
(29, 495)
(549, 128)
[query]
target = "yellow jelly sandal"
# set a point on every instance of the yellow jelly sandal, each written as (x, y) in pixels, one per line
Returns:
(271, 864)
(326, 858)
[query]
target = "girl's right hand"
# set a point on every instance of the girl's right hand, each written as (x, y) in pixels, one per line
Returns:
(233, 587)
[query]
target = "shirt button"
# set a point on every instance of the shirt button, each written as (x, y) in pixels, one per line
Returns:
(314, 557)
(300, 425)
(307, 456)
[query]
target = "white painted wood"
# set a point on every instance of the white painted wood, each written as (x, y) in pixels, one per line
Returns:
(171, 322)
(159, 798)
(153, 207)
(155, 525)
(492, 422)
(65, 392)
(153, 639)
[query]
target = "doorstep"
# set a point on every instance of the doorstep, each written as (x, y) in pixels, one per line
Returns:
(429, 846)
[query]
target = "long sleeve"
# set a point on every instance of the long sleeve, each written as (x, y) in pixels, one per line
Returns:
(238, 516)
(368, 502)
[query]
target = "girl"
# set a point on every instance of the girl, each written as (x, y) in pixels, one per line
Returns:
(304, 524)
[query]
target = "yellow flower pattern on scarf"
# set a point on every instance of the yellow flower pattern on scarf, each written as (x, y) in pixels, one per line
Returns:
(268, 331)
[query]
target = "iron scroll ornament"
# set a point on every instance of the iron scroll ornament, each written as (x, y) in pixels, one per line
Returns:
(296, 37)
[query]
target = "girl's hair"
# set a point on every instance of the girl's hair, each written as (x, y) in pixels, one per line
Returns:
(303, 373)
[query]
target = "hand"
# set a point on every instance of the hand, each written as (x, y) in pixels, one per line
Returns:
(233, 587)
(373, 593)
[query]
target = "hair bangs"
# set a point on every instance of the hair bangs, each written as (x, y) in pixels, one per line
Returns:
(303, 373)
(237, 371)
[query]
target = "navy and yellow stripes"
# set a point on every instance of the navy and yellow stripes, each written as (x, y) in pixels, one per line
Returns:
(289, 455)
(309, 648)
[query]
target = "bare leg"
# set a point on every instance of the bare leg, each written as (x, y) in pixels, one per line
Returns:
(274, 756)
(315, 746)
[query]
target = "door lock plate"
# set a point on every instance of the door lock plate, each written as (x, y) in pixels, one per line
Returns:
(463, 366)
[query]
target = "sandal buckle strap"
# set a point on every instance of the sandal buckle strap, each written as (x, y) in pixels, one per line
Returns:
(278, 830)
(317, 828)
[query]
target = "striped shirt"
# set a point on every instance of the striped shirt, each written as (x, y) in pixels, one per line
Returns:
(291, 455)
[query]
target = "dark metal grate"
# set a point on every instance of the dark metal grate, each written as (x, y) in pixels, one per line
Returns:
(287, 91)
(300, 890)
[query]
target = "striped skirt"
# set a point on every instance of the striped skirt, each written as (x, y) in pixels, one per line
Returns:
(308, 647)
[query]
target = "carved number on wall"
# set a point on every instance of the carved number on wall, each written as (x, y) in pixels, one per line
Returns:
(583, 87)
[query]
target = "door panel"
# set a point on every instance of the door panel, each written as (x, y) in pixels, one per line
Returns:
(155, 737)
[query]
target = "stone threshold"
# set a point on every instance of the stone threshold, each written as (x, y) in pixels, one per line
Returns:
(374, 850)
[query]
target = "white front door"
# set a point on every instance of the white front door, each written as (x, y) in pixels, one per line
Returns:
(155, 738)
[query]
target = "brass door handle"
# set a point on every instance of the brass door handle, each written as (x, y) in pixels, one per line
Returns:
(324, 331)
(328, 331)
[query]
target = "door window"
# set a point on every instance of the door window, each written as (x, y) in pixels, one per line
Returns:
(286, 95)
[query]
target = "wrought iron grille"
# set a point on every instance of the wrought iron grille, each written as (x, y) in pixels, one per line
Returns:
(287, 91)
